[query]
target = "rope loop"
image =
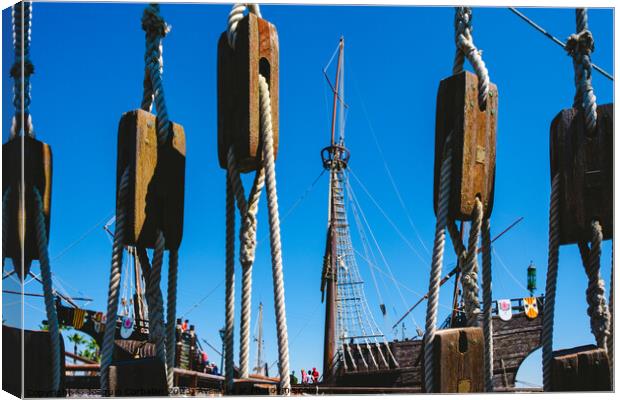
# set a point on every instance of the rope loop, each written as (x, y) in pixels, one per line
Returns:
(236, 14)
(153, 23)
(465, 48)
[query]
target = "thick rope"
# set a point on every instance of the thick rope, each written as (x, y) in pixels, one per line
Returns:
(469, 278)
(48, 291)
(247, 252)
(610, 338)
(230, 285)
(22, 68)
(107, 348)
(551, 284)
(153, 290)
(595, 293)
(156, 29)
(487, 299)
(580, 46)
(274, 232)
(465, 48)
(236, 15)
(171, 318)
(436, 266)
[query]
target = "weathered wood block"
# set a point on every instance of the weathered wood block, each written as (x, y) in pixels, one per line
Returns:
(156, 180)
(459, 360)
(584, 368)
(473, 144)
(585, 165)
(139, 377)
(37, 172)
(37, 363)
(238, 123)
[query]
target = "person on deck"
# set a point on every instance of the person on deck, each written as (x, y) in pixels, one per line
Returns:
(304, 377)
(315, 375)
(293, 378)
(214, 369)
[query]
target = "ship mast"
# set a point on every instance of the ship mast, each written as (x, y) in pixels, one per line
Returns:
(334, 158)
(259, 369)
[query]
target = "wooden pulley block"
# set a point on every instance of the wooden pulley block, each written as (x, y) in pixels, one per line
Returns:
(37, 174)
(156, 180)
(138, 377)
(585, 164)
(238, 121)
(458, 360)
(473, 144)
(584, 368)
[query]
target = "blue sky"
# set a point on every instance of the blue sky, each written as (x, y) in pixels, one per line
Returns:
(89, 70)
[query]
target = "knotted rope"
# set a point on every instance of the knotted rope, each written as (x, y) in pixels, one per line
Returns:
(107, 348)
(465, 48)
(469, 277)
(236, 15)
(436, 265)
(46, 277)
(156, 313)
(580, 46)
(487, 298)
(22, 69)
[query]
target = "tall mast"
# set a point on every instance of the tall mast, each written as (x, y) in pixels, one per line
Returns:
(259, 353)
(334, 158)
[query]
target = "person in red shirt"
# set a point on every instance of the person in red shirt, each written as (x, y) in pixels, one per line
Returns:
(315, 375)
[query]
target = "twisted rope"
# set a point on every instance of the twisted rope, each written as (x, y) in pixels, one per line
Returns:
(156, 29)
(595, 293)
(487, 298)
(610, 338)
(551, 284)
(580, 46)
(469, 279)
(171, 308)
(247, 252)
(153, 290)
(48, 291)
(236, 15)
(22, 68)
(107, 347)
(274, 233)
(436, 265)
(230, 285)
(465, 48)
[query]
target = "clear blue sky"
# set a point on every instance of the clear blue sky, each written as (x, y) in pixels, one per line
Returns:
(89, 70)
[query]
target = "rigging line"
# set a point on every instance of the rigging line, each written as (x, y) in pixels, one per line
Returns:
(555, 40)
(372, 235)
(210, 345)
(507, 269)
(402, 236)
(388, 171)
(35, 308)
(76, 242)
(203, 299)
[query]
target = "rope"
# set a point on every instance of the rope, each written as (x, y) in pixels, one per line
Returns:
(469, 279)
(595, 293)
(551, 284)
(48, 291)
(156, 29)
(465, 48)
(274, 231)
(107, 347)
(580, 46)
(153, 290)
(435, 275)
(247, 252)
(22, 68)
(171, 308)
(487, 298)
(230, 284)
(610, 338)
(5, 221)
(236, 15)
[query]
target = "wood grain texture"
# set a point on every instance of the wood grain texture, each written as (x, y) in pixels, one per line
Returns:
(256, 51)
(156, 180)
(473, 144)
(37, 173)
(584, 368)
(585, 165)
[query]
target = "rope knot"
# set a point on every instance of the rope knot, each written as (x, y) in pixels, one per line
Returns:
(16, 69)
(153, 23)
(581, 43)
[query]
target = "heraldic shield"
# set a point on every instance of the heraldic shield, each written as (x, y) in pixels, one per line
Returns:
(504, 309)
(530, 306)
